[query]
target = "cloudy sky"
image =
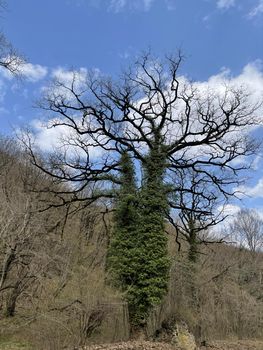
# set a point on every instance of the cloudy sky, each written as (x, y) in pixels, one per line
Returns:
(221, 39)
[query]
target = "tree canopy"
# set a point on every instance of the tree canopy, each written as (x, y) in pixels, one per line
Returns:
(150, 107)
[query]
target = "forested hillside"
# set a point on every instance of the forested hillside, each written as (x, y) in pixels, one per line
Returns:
(131, 183)
(54, 289)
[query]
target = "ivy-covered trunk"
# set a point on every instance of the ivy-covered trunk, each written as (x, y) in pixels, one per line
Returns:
(138, 257)
(122, 254)
(153, 264)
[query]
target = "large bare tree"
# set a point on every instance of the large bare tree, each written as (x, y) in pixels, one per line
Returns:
(156, 115)
(169, 127)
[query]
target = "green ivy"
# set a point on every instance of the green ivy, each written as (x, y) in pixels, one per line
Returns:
(138, 257)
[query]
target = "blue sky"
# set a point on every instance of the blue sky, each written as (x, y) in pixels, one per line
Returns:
(102, 33)
(218, 38)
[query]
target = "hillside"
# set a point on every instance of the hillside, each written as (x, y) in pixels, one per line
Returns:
(54, 291)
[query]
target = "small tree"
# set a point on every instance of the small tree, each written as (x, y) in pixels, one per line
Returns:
(247, 228)
(196, 205)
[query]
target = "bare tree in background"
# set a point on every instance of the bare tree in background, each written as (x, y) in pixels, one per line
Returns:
(17, 228)
(196, 204)
(10, 59)
(247, 229)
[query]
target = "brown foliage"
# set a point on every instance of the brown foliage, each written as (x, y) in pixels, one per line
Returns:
(53, 280)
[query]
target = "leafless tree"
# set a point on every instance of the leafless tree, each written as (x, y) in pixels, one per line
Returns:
(247, 229)
(21, 227)
(17, 232)
(160, 118)
(196, 206)
(10, 59)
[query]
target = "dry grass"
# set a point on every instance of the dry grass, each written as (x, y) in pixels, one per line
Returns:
(219, 345)
(234, 345)
(13, 345)
(131, 346)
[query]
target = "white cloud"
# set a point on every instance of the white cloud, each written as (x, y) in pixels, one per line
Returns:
(65, 78)
(228, 212)
(259, 210)
(120, 5)
(250, 80)
(225, 4)
(33, 72)
(229, 209)
(256, 162)
(257, 10)
(61, 139)
(254, 191)
(47, 139)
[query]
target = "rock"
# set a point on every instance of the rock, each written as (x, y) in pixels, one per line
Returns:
(183, 338)
(177, 334)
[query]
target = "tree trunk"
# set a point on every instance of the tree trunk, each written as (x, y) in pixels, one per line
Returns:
(11, 301)
(138, 333)
(192, 254)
